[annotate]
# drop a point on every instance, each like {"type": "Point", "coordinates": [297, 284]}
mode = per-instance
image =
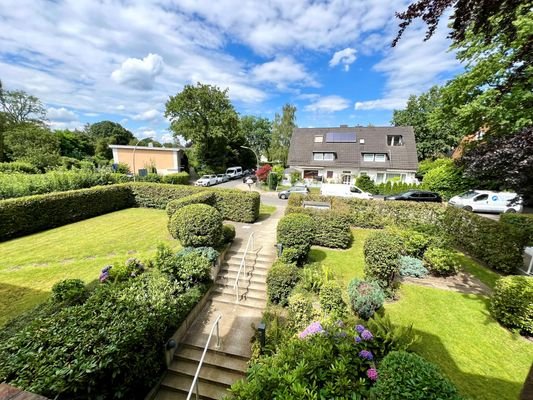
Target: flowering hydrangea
{"type": "Point", "coordinates": [372, 374]}
{"type": "Point", "coordinates": [365, 354]}
{"type": "Point", "coordinates": [312, 329]}
{"type": "Point", "coordinates": [105, 273]}
{"type": "Point", "coordinates": [367, 335]}
{"type": "Point", "coordinates": [358, 339]}
{"type": "Point", "coordinates": [359, 328]}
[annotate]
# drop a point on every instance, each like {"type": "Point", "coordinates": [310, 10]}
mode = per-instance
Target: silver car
{"type": "Point", "coordinates": [295, 189]}
{"type": "Point", "coordinates": [207, 180]}
{"type": "Point", "coordinates": [221, 178]}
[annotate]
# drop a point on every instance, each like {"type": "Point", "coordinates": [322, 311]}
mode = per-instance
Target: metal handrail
{"type": "Point", "coordinates": [243, 265]}
{"type": "Point", "coordinates": [194, 384]}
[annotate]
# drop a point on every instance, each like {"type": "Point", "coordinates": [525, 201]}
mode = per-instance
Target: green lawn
{"type": "Point", "coordinates": [265, 211]}
{"type": "Point", "coordinates": [29, 266]}
{"type": "Point", "coordinates": [457, 332]}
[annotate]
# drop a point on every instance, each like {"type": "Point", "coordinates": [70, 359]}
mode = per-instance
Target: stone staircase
{"type": "Point", "coordinates": [227, 364]}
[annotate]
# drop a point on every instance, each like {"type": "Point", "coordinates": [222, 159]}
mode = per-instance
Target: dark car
{"type": "Point", "coordinates": [246, 178]}
{"type": "Point", "coordinates": [295, 189]}
{"type": "Point", "coordinates": [416, 195]}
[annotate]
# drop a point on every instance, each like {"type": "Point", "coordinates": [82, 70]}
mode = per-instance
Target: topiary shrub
{"type": "Point", "coordinates": [18, 166]}
{"type": "Point", "coordinates": [296, 231]}
{"type": "Point", "coordinates": [364, 182]}
{"type": "Point", "coordinates": [382, 251]}
{"type": "Point", "coordinates": [281, 279]}
{"type": "Point", "coordinates": [441, 262]}
{"type": "Point", "coordinates": [414, 243]}
{"type": "Point", "coordinates": [193, 268]}
{"type": "Point", "coordinates": [405, 375]}
{"type": "Point", "coordinates": [294, 255]}
{"type": "Point", "coordinates": [181, 178]}
{"type": "Point", "coordinates": [331, 299]}
{"type": "Point", "coordinates": [300, 311]}
{"type": "Point", "coordinates": [197, 198]}
{"type": "Point", "coordinates": [69, 291]}
{"type": "Point", "coordinates": [366, 297]}
{"type": "Point", "coordinates": [410, 266]}
{"type": "Point", "coordinates": [512, 303]}
{"type": "Point", "coordinates": [228, 233]}
{"type": "Point", "coordinates": [197, 225]}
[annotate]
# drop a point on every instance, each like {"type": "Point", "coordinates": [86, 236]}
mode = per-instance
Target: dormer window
{"type": "Point", "coordinates": [323, 156]}
{"type": "Point", "coordinates": [394, 140]}
{"type": "Point", "coordinates": [319, 138]}
{"type": "Point", "coordinates": [374, 157]}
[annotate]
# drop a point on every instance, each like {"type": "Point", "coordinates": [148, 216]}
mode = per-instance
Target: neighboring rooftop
{"type": "Point", "coordinates": [121, 146]}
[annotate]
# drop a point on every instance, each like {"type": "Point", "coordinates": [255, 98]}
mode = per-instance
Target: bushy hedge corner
{"type": "Point", "coordinates": [228, 233]}
{"type": "Point", "coordinates": [69, 291]}
{"type": "Point", "coordinates": [281, 279]}
{"type": "Point", "coordinates": [237, 205]}
{"type": "Point", "coordinates": [197, 225]}
{"type": "Point", "coordinates": [180, 178]}
{"type": "Point", "coordinates": [512, 303]}
{"type": "Point", "coordinates": [296, 231]}
{"type": "Point", "coordinates": [382, 251]}
{"type": "Point", "coordinates": [197, 198]}
{"type": "Point", "coordinates": [523, 223]}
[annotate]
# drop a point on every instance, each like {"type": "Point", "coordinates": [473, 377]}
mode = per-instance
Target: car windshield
{"type": "Point", "coordinates": [205, 177]}
{"type": "Point", "coordinates": [468, 195]}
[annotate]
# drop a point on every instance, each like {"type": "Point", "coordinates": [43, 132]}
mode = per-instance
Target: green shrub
{"type": "Point", "coordinates": [208, 252]}
{"type": "Point", "coordinates": [181, 178]}
{"type": "Point", "coordinates": [296, 231]}
{"type": "Point", "coordinates": [364, 182]}
{"type": "Point", "coordinates": [196, 198]}
{"type": "Point", "coordinates": [165, 260]}
{"type": "Point", "coordinates": [236, 205]}
{"type": "Point", "coordinates": [331, 300]}
{"type": "Point", "coordinates": [410, 266]}
{"type": "Point", "coordinates": [26, 215]}
{"type": "Point", "coordinates": [414, 243]}
{"type": "Point", "coordinates": [382, 251]}
{"type": "Point", "coordinates": [228, 233]}
{"type": "Point", "coordinates": [295, 255]}
{"type": "Point", "coordinates": [523, 224]}
{"type": "Point", "coordinates": [512, 303]}
{"type": "Point", "coordinates": [445, 179]}
{"type": "Point", "coordinates": [69, 291]}
{"type": "Point", "coordinates": [389, 337]}
{"type": "Point", "coordinates": [366, 297]}
{"type": "Point", "coordinates": [499, 245]}
{"type": "Point", "coordinates": [281, 279]}
{"type": "Point", "coordinates": [193, 268]}
{"type": "Point", "coordinates": [197, 225]}
{"type": "Point", "coordinates": [153, 195]}
{"type": "Point", "coordinates": [18, 166]}
{"type": "Point", "coordinates": [112, 344]}
{"type": "Point", "coordinates": [300, 311]}
{"type": "Point", "coordinates": [441, 261]}
{"type": "Point", "coordinates": [391, 188]}
{"type": "Point", "coordinates": [315, 275]}
{"type": "Point", "coordinates": [120, 273]}
{"type": "Point", "coordinates": [408, 376]}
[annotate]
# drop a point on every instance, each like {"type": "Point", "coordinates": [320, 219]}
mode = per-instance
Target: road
{"type": "Point", "coordinates": [270, 198]}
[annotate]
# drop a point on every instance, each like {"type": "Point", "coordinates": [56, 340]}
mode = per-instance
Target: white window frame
{"type": "Point", "coordinates": [318, 156]}
{"type": "Point", "coordinates": [396, 140]}
{"type": "Point", "coordinates": [368, 155]}
{"type": "Point", "coordinates": [380, 155]}
{"type": "Point", "coordinates": [329, 157]}
{"type": "Point", "coordinates": [319, 138]}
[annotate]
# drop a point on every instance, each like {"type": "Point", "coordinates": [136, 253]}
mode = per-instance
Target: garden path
{"type": "Point", "coordinates": [463, 282]}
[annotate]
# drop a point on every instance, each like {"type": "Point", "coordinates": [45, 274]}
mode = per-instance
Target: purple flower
{"type": "Point", "coordinates": [372, 374]}
{"type": "Point", "coordinates": [359, 328]}
{"type": "Point", "coordinates": [106, 268]}
{"type": "Point", "coordinates": [103, 276]}
{"type": "Point", "coordinates": [367, 335]}
{"type": "Point", "coordinates": [365, 354]}
{"type": "Point", "coordinates": [312, 329]}
{"type": "Point", "coordinates": [357, 339]}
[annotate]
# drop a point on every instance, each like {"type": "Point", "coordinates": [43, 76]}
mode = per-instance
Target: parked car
{"type": "Point", "coordinates": [247, 177]}
{"type": "Point", "coordinates": [488, 201]}
{"type": "Point", "coordinates": [207, 180]}
{"type": "Point", "coordinates": [416, 195]}
{"type": "Point", "coordinates": [234, 172]}
{"type": "Point", "coordinates": [295, 189]}
{"type": "Point", "coordinates": [247, 172]}
{"type": "Point", "coordinates": [221, 178]}
{"type": "Point", "coordinates": [341, 190]}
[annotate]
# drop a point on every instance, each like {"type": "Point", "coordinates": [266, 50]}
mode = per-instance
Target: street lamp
{"type": "Point", "coordinates": [135, 148]}
{"type": "Point", "coordinates": [255, 154]}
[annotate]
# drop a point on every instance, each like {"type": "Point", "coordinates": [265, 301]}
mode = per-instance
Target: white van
{"type": "Point", "coordinates": [234, 172]}
{"type": "Point", "coordinates": [487, 201]}
{"type": "Point", "coordinates": [342, 190]}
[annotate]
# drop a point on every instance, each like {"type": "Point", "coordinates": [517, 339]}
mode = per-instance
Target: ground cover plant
{"type": "Point", "coordinates": [30, 265]}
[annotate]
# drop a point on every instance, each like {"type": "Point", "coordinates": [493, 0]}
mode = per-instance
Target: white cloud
{"type": "Point", "coordinates": [381, 104]}
{"type": "Point", "coordinates": [345, 57]}
{"type": "Point", "coordinates": [147, 115]}
{"type": "Point", "coordinates": [328, 104]}
{"type": "Point", "coordinates": [61, 114]}
{"type": "Point", "coordinates": [283, 71]}
{"type": "Point", "coordinates": [139, 74]}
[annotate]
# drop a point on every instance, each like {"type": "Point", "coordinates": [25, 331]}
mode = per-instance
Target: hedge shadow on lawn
{"type": "Point", "coordinates": [25, 298]}
{"type": "Point", "coordinates": [317, 255]}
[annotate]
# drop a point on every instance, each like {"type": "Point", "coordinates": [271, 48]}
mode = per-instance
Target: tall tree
{"type": "Point", "coordinates": [19, 107]}
{"type": "Point", "coordinates": [432, 139]}
{"type": "Point", "coordinates": [282, 128]}
{"type": "Point", "coordinates": [107, 132]}
{"type": "Point", "coordinates": [75, 144]}
{"type": "Point", "coordinates": [34, 144]}
{"type": "Point", "coordinates": [257, 133]}
{"type": "Point", "coordinates": [205, 115]}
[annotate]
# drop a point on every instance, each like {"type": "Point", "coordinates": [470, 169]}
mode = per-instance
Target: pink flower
{"type": "Point", "coordinates": [372, 374]}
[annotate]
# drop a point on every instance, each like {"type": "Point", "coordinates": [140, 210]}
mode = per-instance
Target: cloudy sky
{"type": "Point", "coordinates": [90, 60]}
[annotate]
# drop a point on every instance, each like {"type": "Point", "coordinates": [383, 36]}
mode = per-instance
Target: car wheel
{"type": "Point", "coordinates": [468, 208]}
{"type": "Point", "coordinates": [283, 197]}
{"type": "Point", "coordinates": [510, 211]}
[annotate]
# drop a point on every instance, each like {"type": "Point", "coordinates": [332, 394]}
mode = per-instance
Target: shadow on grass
{"type": "Point", "coordinates": [317, 255]}
{"type": "Point", "coordinates": [18, 299]}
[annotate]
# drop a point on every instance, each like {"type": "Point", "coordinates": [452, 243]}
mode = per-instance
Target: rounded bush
{"type": "Point", "coordinates": [295, 255]}
{"type": "Point", "coordinates": [512, 303]}
{"type": "Point", "coordinates": [366, 297]}
{"type": "Point", "coordinates": [197, 225]}
{"type": "Point", "coordinates": [441, 261]}
{"type": "Point", "coordinates": [296, 230]}
{"type": "Point", "coordinates": [331, 299]}
{"type": "Point", "coordinates": [71, 291]}
{"type": "Point", "coordinates": [228, 233]}
{"type": "Point", "coordinates": [410, 266]}
{"type": "Point", "coordinates": [181, 178]}
{"type": "Point", "coordinates": [300, 310]}
{"type": "Point", "coordinates": [382, 251]}
{"type": "Point", "coordinates": [414, 243]}
{"type": "Point", "coordinates": [405, 375]}
{"type": "Point", "coordinates": [281, 279]}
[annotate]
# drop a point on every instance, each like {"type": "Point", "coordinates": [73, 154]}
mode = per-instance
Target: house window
{"type": "Point", "coordinates": [310, 174]}
{"type": "Point", "coordinates": [329, 157]}
{"type": "Point", "coordinates": [393, 177]}
{"type": "Point", "coordinates": [319, 138]}
{"type": "Point", "coordinates": [318, 156]}
{"type": "Point", "coordinates": [395, 140]}
{"type": "Point", "coordinates": [368, 157]}
{"type": "Point", "coordinates": [329, 174]}
{"type": "Point", "coordinates": [380, 177]}
{"type": "Point", "coordinates": [346, 179]}
{"type": "Point", "coordinates": [363, 173]}
{"type": "Point", "coordinates": [380, 157]}
{"type": "Point", "coordinates": [323, 156]}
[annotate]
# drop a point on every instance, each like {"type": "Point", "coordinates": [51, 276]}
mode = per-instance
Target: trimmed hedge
{"type": "Point", "coordinates": [180, 178]}
{"type": "Point", "coordinates": [296, 233]}
{"type": "Point", "coordinates": [499, 245]}
{"type": "Point", "coordinates": [382, 252]}
{"type": "Point", "coordinates": [281, 279]}
{"type": "Point", "coordinates": [18, 166]}
{"type": "Point", "coordinates": [197, 225]}
{"type": "Point", "coordinates": [441, 262]}
{"type": "Point", "coordinates": [154, 195]}
{"type": "Point", "coordinates": [512, 303]}
{"type": "Point", "coordinates": [522, 222]}
{"type": "Point", "coordinates": [25, 215]}
{"type": "Point", "coordinates": [197, 198]}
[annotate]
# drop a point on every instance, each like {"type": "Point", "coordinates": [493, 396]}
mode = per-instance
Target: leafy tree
{"type": "Point", "coordinates": [445, 178]}
{"type": "Point", "coordinates": [282, 132]}
{"type": "Point", "coordinates": [106, 133]}
{"type": "Point", "coordinates": [146, 142]}
{"type": "Point", "coordinates": [432, 139]}
{"type": "Point", "coordinates": [19, 107]}
{"type": "Point", "coordinates": [503, 162]}
{"type": "Point", "coordinates": [34, 144]}
{"type": "Point", "coordinates": [257, 133]}
{"type": "Point", "coordinates": [75, 144]}
{"type": "Point", "coordinates": [204, 115]}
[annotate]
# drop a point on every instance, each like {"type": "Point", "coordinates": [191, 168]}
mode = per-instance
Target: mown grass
{"type": "Point", "coordinates": [265, 211]}
{"type": "Point", "coordinates": [30, 266]}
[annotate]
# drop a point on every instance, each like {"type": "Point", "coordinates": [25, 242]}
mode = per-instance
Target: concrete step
{"type": "Point", "coordinates": [169, 394]}
{"type": "Point", "coordinates": [244, 284]}
{"type": "Point", "coordinates": [229, 277]}
{"type": "Point", "coordinates": [255, 304]}
{"type": "Point", "coordinates": [259, 271]}
{"type": "Point", "coordinates": [243, 292]}
{"type": "Point", "coordinates": [223, 360]}
{"type": "Point", "coordinates": [208, 373]}
{"type": "Point", "coordinates": [249, 263]}
{"type": "Point", "coordinates": [260, 256]}
{"type": "Point", "coordinates": [182, 384]}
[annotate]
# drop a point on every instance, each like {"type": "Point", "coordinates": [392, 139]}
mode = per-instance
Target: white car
{"type": "Point", "coordinates": [487, 201]}
{"type": "Point", "coordinates": [342, 190]}
{"type": "Point", "coordinates": [221, 178]}
{"type": "Point", "coordinates": [207, 180]}
{"type": "Point", "coordinates": [234, 172]}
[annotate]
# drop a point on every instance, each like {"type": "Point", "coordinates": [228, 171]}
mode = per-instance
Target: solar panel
{"type": "Point", "coordinates": [341, 137]}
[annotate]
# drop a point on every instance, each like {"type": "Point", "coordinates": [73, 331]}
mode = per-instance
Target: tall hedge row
{"type": "Point", "coordinates": [523, 222]}
{"type": "Point", "coordinates": [197, 198]}
{"type": "Point", "coordinates": [25, 215]}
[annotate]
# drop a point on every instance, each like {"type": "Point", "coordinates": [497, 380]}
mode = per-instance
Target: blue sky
{"type": "Point", "coordinates": [91, 60]}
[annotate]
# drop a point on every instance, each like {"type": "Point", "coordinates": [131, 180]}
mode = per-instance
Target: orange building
{"type": "Point", "coordinates": [165, 160]}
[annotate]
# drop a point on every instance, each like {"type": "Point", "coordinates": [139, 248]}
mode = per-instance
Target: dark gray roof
{"type": "Point", "coordinates": [350, 154]}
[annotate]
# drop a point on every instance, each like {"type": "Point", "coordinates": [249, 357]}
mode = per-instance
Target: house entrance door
{"type": "Point", "coordinates": [347, 179]}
